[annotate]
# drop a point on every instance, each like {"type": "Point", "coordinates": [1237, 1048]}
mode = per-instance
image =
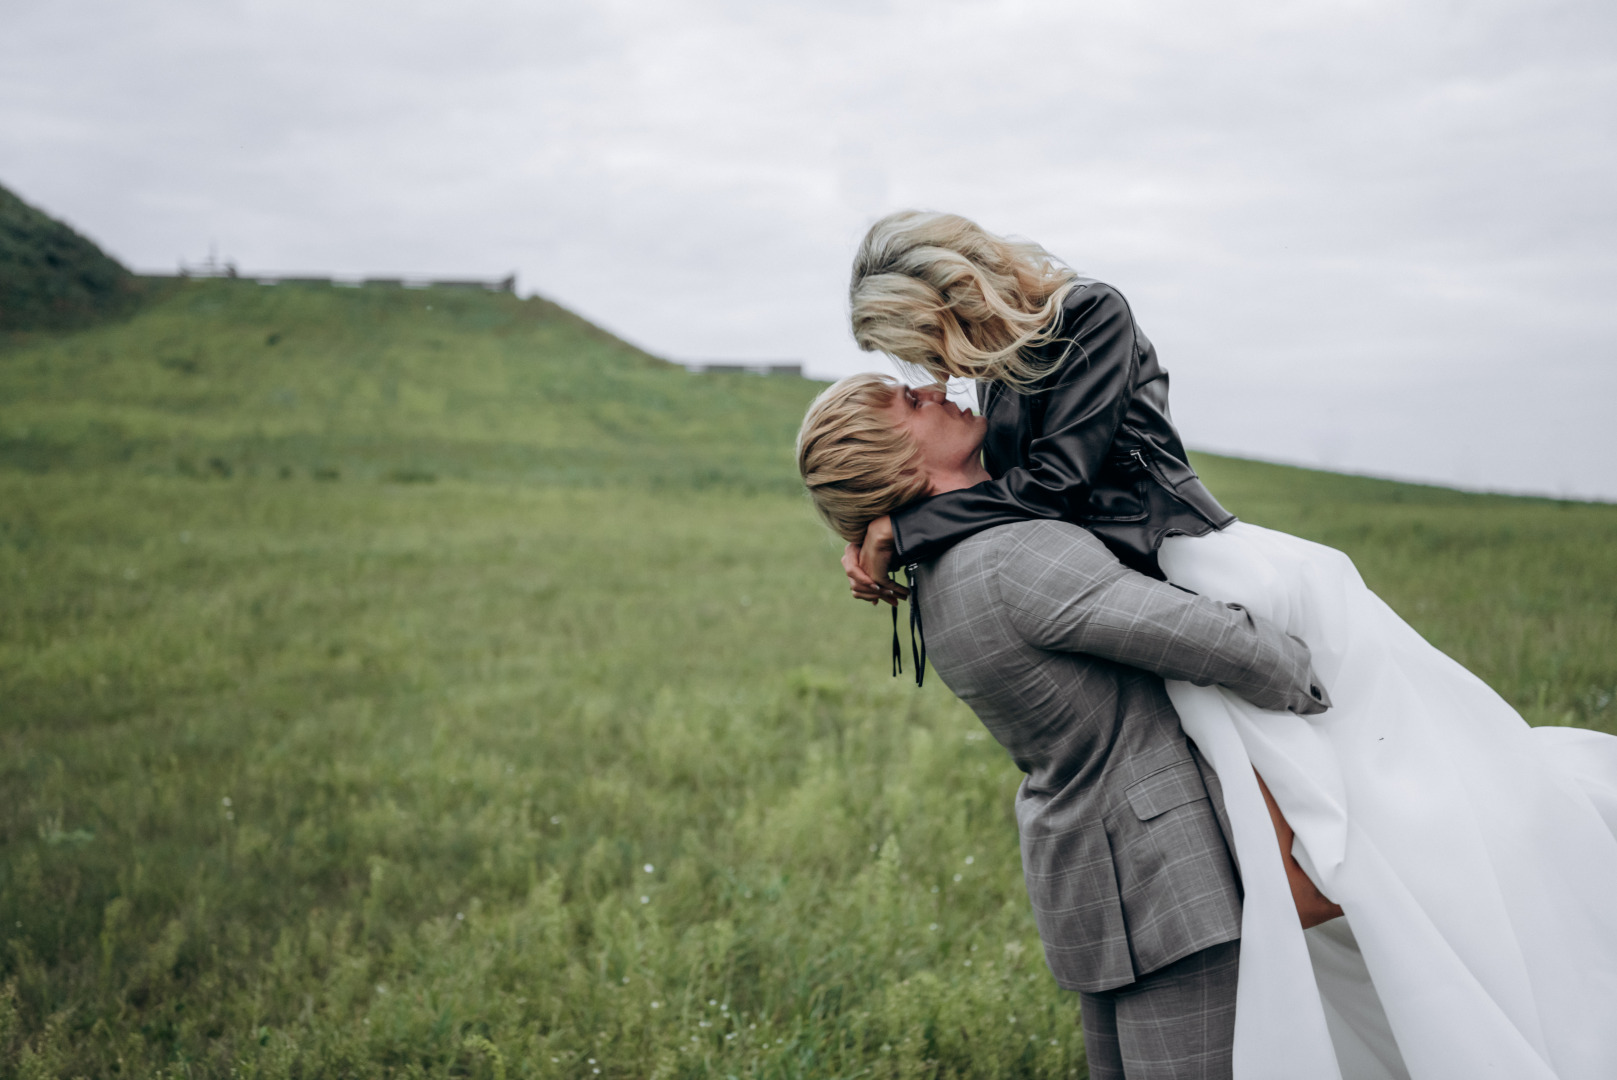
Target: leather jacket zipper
{"type": "Point", "coordinates": [1145, 466]}
{"type": "Point", "coordinates": [1152, 471]}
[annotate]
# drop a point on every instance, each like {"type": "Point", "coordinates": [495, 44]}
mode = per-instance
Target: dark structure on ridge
{"type": "Point", "coordinates": [51, 278]}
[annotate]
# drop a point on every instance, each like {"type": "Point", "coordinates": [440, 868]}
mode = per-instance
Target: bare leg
{"type": "Point", "coordinates": [1312, 906]}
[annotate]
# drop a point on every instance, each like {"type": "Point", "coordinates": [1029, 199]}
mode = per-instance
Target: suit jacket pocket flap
{"type": "Point", "coordinates": [1073, 886]}
{"type": "Point", "coordinates": [1165, 789]}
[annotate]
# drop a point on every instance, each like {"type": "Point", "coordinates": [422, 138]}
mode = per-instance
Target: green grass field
{"type": "Point", "coordinates": [424, 683]}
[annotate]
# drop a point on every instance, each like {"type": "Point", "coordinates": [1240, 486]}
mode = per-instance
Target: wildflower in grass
{"type": "Point", "coordinates": [970, 859]}
{"type": "Point", "coordinates": [650, 868]}
{"type": "Point", "coordinates": [645, 899]}
{"type": "Point", "coordinates": [957, 877]}
{"type": "Point", "coordinates": [932, 926]}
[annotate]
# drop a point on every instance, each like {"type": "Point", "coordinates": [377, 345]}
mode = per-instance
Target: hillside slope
{"type": "Point", "coordinates": [228, 380]}
{"type": "Point", "coordinates": [230, 377]}
{"type": "Point", "coordinates": [50, 276]}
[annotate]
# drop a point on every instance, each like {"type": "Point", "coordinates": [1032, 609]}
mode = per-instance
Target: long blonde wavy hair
{"type": "Point", "coordinates": [940, 293]}
{"type": "Point", "coordinates": [855, 464]}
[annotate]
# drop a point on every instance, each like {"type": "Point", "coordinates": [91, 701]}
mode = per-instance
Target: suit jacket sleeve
{"type": "Point", "coordinates": [1082, 412]}
{"type": "Point", "coordinates": [1066, 592]}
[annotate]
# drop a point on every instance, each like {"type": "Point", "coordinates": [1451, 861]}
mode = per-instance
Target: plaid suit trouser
{"type": "Point", "coordinates": [1177, 1023]}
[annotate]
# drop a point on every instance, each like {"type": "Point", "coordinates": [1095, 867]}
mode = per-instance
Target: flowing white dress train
{"type": "Point", "coordinates": [1475, 857]}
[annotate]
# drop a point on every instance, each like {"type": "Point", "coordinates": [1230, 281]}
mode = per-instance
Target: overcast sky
{"type": "Point", "coordinates": [1373, 235]}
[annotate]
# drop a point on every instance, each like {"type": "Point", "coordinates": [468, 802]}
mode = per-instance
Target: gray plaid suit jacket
{"type": "Point", "coordinates": [1061, 652]}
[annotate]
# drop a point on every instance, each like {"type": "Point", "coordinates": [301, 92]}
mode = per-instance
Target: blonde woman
{"type": "Point", "coordinates": [1474, 858]}
{"type": "Point", "coordinates": [1075, 401]}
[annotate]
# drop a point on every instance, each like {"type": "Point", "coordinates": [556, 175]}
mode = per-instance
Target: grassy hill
{"type": "Point", "coordinates": [425, 683]}
{"type": "Point", "coordinates": [51, 277]}
{"type": "Point", "coordinates": [229, 377]}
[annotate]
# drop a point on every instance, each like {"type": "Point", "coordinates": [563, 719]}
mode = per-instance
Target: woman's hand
{"type": "Point", "coordinates": [867, 565]}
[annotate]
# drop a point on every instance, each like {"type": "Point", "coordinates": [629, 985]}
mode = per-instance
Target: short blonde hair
{"type": "Point", "coordinates": [856, 465]}
{"type": "Point", "coordinates": [940, 293]}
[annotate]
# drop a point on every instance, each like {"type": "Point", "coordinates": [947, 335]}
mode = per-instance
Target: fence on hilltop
{"type": "Point", "coordinates": [749, 367]}
{"type": "Point", "coordinates": [212, 268]}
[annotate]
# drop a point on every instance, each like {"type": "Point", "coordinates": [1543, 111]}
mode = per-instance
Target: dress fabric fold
{"type": "Point", "coordinates": [1475, 858]}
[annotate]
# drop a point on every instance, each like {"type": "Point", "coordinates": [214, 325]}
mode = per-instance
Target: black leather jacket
{"type": "Point", "coordinates": [1092, 444]}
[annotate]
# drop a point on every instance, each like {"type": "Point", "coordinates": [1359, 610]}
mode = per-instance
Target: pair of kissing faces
{"type": "Point", "coordinates": [947, 436]}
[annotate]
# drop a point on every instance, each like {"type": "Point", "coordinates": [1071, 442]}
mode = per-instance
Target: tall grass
{"type": "Point", "coordinates": [515, 722]}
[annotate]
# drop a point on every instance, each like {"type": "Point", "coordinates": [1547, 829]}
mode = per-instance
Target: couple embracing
{"type": "Point", "coordinates": [1267, 830]}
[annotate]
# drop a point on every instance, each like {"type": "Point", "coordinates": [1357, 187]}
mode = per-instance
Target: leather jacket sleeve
{"type": "Point", "coordinates": [1084, 401]}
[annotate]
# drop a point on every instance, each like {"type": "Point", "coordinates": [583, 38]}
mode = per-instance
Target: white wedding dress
{"type": "Point", "coordinates": [1475, 857]}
